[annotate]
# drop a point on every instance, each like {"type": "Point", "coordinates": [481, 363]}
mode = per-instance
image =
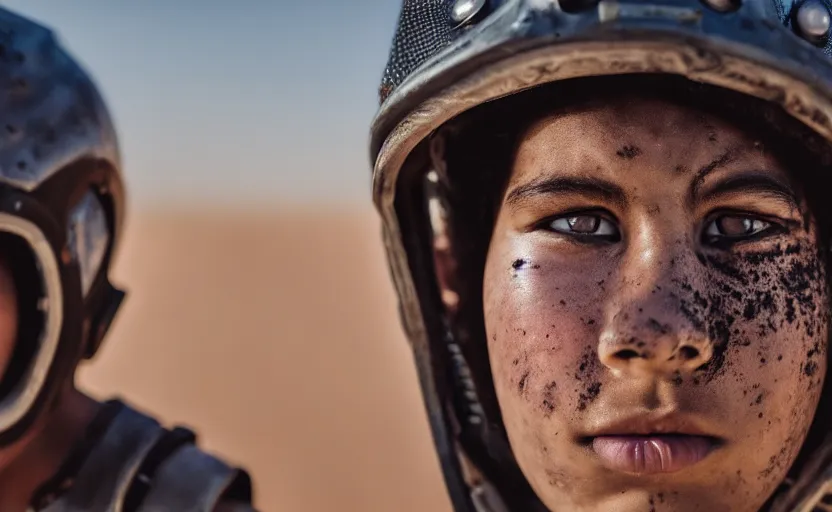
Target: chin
{"type": "Point", "coordinates": [653, 498]}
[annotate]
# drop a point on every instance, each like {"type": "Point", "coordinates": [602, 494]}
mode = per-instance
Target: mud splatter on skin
{"type": "Point", "coordinates": [521, 372]}
{"type": "Point", "coordinates": [589, 395]}
{"type": "Point", "coordinates": [520, 263]}
{"type": "Point", "coordinates": [628, 152]}
{"type": "Point", "coordinates": [776, 462]}
{"type": "Point", "coordinates": [587, 374]}
{"type": "Point", "coordinates": [549, 398]}
{"type": "Point", "coordinates": [765, 289]}
{"type": "Point", "coordinates": [521, 386]}
{"type": "Point", "coordinates": [677, 379]}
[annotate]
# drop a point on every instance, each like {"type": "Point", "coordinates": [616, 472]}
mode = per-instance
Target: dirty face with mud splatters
{"type": "Point", "coordinates": [656, 310]}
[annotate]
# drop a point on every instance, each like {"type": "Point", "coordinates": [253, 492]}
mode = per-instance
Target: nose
{"type": "Point", "coordinates": [640, 344]}
{"type": "Point", "coordinates": [646, 330]}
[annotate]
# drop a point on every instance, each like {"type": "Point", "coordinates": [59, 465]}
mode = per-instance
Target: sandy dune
{"type": "Point", "coordinates": [276, 336]}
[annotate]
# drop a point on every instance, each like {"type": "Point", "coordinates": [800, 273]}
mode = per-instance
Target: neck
{"type": "Point", "coordinates": [38, 457]}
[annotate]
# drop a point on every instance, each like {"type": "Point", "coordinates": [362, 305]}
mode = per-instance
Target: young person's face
{"type": "Point", "coordinates": [656, 311]}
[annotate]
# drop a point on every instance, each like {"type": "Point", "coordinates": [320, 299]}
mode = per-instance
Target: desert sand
{"type": "Point", "coordinates": [275, 335]}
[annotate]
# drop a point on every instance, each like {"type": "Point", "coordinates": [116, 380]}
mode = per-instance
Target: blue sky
{"type": "Point", "coordinates": [250, 102]}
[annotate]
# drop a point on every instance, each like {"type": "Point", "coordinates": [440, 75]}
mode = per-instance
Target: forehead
{"type": "Point", "coordinates": [627, 130]}
{"type": "Point", "coordinates": [632, 116]}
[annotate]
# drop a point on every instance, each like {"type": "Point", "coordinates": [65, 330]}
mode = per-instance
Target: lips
{"type": "Point", "coordinates": [643, 445]}
{"type": "Point", "coordinates": [651, 454]}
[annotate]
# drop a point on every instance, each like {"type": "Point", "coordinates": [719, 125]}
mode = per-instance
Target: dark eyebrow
{"type": "Point", "coordinates": [715, 164]}
{"type": "Point", "coordinates": [757, 181]}
{"type": "Point", "coordinates": [588, 186]}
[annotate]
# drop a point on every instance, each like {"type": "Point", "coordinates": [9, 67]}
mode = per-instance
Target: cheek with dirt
{"type": "Point", "coordinates": [766, 307]}
{"type": "Point", "coordinates": [766, 301]}
{"type": "Point", "coordinates": [766, 313]}
{"type": "Point", "coordinates": [549, 347]}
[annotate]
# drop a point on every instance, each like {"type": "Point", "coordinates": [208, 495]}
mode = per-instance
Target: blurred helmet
{"type": "Point", "coordinates": [450, 57]}
{"type": "Point", "coordinates": [61, 212]}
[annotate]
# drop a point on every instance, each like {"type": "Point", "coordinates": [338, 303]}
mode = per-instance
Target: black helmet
{"type": "Point", "coordinates": [61, 211]}
{"type": "Point", "coordinates": [450, 57]}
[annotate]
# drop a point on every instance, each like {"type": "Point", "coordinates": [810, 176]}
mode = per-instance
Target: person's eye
{"type": "Point", "coordinates": [736, 228]}
{"type": "Point", "coordinates": [585, 225]}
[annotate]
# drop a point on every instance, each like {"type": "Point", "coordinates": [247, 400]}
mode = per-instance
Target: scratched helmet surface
{"type": "Point", "coordinates": [450, 57]}
{"type": "Point", "coordinates": [61, 209]}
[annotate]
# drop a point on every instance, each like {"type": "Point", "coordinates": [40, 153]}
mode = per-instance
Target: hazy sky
{"type": "Point", "coordinates": [244, 101]}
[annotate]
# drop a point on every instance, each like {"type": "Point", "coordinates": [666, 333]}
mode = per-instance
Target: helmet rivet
{"type": "Point", "coordinates": [813, 20]}
{"type": "Point", "coordinates": [723, 5]}
{"type": "Point", "coordinates": [464, 10]}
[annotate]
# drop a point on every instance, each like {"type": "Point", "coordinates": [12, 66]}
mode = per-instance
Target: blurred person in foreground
{"type": "Point", "coordinates": [609, 227]}
{"type": "Point", "coordinates": [61, 213]}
